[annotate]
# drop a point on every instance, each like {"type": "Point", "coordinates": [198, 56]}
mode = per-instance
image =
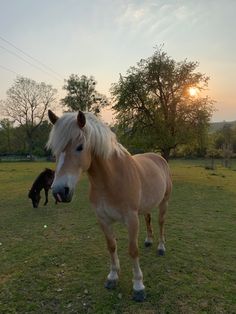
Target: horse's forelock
{"type": "Point", "coordinates": [97, 136]}
{"type": "Point", "coordinates": [64, 131]}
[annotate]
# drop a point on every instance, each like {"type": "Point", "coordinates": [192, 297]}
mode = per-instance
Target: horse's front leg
{"type": "Point", "coordinates": [133, 228]}
{"type": "Point", "coordinates": [46, 196]}
{"type": "Point", "coordinates": [113, 275]}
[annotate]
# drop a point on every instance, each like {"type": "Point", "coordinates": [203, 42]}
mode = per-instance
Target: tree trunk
{"type": "Point", "coordinates": [8, 141]}
{"type": "Point", "coordinates": [30, 145]}
{"type": "Point", "coordinates": [165, 153]}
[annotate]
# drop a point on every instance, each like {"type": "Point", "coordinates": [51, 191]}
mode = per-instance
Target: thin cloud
{"type": "Point", "coordinates": [151, 18]}
{"type": "Point", "coordinates": [131, 14]}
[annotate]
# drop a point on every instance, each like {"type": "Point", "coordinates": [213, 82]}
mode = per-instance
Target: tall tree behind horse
{"type": "Point", "coordinates": [43, 181]}
{"type": "Point", "coordinates": [121, 186]}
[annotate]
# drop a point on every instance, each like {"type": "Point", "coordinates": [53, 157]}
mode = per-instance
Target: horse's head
{"type": "Point", "coordinates": [72, 158]}
{"type": "Point", "coordinates": [35, 197]}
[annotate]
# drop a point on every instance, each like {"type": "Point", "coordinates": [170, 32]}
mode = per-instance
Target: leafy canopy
{"type": "Point", "coordinates": [153, 103]}
{"type": "Point", "coordinates": [82, 94]}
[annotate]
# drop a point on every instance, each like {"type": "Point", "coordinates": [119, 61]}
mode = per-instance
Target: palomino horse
{"type": "Point", "coordinates": [122, 186]}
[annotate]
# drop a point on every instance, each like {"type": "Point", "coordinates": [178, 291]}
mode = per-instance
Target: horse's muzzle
{"type": "Point", "coordinates": [64, 195]}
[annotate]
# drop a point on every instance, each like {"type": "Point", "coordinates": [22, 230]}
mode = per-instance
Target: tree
{"type": "Point", "coordinates": [41, 137]}
{"type": "Point", "coordinates": [212, 153]}
{"type": "Point", "coordinates": [26, 105]}
{"type": "Point", "coordinates": [82, 94]}
{"type": "Point", "coordinates": [7, 133]}
{"type": "Point", "coordinates": [224, 140]}
{"type": "Point", "coordinates": [153, 102]}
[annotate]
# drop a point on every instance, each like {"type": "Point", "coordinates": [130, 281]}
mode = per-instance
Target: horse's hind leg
{"type": "Point", "coordinates": [112, 277]}
{"type": "Point", "coordinates": [162, 213]}
{"type": "Point", "coordinates": [149, 239]}
{"type": "Point", "coordinates": [46, 197]}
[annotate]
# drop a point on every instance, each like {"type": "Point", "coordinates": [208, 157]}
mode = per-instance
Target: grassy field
{"type": "Point", "coordinates": [54, 259]}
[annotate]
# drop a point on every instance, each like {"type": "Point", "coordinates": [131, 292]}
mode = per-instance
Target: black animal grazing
{"type": "Point", "coordinates": [43, 181]}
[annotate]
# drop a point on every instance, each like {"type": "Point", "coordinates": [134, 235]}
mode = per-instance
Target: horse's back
{"type": "Point", "coordinates": [151, 162]}
{"type": "Point", "coordinates": [155, 178]}
{"type": "Point", "coordinates": [44, 180]}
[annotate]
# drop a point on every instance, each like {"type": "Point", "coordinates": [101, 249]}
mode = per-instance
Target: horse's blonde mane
{"type": "Point", "coordinates": [97, 135]}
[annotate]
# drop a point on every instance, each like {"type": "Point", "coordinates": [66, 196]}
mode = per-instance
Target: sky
{"type": "Point", "coordinates": [104, 38]}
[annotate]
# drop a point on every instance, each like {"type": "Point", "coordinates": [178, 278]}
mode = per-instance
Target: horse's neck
{"type": "Point", "coordinates": [113, 180]}
{"type": "Point", "coordinates": [37, 186]}
{"type": "Point", "coordinates": [102, 171]}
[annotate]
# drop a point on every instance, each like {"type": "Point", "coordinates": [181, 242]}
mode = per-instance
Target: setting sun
{"type": "Point", "coordinates": [193, 91]}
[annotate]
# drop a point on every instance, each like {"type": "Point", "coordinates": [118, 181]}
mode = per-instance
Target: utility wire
{"type": "Point", "coordinates": [6, 69]}
{"type": "Point", "coordinates": [29, 56]}
{"type": "Point", "coordinates": [19, 57]}
{"type": "Point", "coordinates": [15, 73]}
{"type": "Point", "coordinates": [31, 64]}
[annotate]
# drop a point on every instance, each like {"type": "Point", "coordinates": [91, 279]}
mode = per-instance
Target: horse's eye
{"type": "Point", "coordinates": [79, 148]}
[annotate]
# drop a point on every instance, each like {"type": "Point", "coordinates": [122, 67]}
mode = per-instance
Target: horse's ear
{"type": "Point", "coordinates": [81, 119]}
{"type": "Point", "coordinates": [52, 117]}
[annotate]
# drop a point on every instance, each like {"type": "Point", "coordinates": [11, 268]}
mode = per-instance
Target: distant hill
{"type": "Point", "coordinates": [215, 126]}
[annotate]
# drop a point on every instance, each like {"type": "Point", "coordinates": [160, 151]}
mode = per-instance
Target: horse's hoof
{"type": "Point", "coordinates": [139, 296]}
{"type": "Point", "coordinates": [147, 244]}
{"type": "Point", "coordinates": [161, 252]}
{"type": "Point", "coordinates": [110, 284]}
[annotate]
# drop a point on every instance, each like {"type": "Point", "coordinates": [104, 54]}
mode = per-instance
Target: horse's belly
{"type": "Point", "coordinates": [151, 198]}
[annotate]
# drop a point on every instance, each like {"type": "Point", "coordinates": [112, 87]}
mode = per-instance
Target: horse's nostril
{"type": "Point", "coordinates": [66, 191]}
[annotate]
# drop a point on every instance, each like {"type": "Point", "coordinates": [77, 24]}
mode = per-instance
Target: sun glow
{"type": "Point", "coordinates": [193, 91]}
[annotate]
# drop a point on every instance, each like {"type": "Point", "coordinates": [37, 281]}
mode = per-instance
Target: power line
{"type": "Point", "coordinates": [26, 61]}
{"type": "Point", "coordinates": [6, 69]}
{"type": "Point", "coordinates": [29, 56]}
{"type": "Point", "coordinates": [19, 57]}
{"type": "Point", "coordinates": [15, 73]}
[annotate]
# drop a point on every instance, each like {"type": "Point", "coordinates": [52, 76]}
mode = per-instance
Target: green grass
{"type": "Point", "coordinates": [62, 268]}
